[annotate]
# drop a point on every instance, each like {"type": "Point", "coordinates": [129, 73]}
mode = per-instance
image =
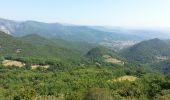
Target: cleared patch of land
{"type": "Point", "coordinates": [12, 63]}
{"type": "Point", "coordinates": [162, 58]}
{"type": "Point", "coordinates": [109, 59]}
{"type": "Point", "coordinates": [124, 78]}
{"type": "Point", "coordinates": [39, 66]}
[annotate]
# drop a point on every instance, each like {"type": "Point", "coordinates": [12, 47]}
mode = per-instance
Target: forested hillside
{"type": "Point", "coordinates": [37, 46]}
{"type": "Point", "coordinates": [36, 68]}
{"type": "Point", "coordinates": [148, 51]}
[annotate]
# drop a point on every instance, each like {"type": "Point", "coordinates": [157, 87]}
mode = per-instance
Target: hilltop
{"type": "Point", "coordinates": [103, 54]}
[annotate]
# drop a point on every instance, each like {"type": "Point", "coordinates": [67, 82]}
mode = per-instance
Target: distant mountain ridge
{"type": "Point", "coordinates": [140, 32]}
{"type": "Point", "coordinates": [63, 31]}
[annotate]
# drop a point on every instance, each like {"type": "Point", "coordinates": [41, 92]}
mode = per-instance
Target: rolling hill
{"type": "Point", "coordinates": [13, 46]}
{"type": "Point", "coordinates": [148, 51]}
{"type": "Point", "coordinates": [79, 47]}
{"type": "Point", "coordinates": [36, 46]}
{"type": "Point", "coordinates": [102, 54]}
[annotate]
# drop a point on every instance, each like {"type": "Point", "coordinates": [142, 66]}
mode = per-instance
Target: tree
{"type": "Point", "coordinates": [98, 94]}
{"type": "Point", "coordinates": [26, 93]}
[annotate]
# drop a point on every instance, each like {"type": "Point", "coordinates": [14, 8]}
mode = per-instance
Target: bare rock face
{"type": "Point", "coordinates": [4, 29]}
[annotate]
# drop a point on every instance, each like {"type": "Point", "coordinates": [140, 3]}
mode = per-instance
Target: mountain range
{"type": "Point", "coordinates": [56, 30]}
{"type": "Point", "coordinates": [93, 34]}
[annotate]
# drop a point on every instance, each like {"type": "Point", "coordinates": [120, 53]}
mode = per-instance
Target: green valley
{"type": "Point", "coordinates": [37, 68]}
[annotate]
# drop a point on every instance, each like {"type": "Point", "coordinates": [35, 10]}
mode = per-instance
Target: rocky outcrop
{"type": "Point", "coordinates": [4, 29]}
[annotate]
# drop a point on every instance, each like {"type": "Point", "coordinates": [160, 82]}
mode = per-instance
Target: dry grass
{"type": "Point", "coordinates": [109, 59]}
{"type": "Point", "coordinates": [37, 66]}
{"type": "Point", "coordinates": [113, 61]}
{"type": "Point", "coordinates": [124, 78]}
{"type": "Point", "coordinates": [12, 63]}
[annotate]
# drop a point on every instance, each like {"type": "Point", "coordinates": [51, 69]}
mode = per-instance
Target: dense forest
{"type": "Point", "coordinates": [36, 68]}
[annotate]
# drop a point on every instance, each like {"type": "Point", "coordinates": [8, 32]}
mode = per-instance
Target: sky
{"type": "Point", "coordinates": [127, 13]}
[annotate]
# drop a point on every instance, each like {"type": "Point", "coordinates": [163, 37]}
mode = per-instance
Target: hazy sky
{"type": "Point", "coordinates": [148, 13]}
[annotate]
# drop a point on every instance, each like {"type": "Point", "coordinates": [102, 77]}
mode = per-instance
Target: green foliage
{"type": "Point", "coordinates": [163, 95]}
{"type": "Point", "coordinates": [98, 94]}
{"type": "Point", "coordinates": [26, 93]}
{"type": "Point", "coordinates": [162, 66]}
{"type": "Point", "coordinates": [75, 83]}
{"type": "Point", "coordinates": [72, 76]}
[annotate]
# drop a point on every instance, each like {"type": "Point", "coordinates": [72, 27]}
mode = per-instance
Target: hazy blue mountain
{"type": "Point", "coordinates": [63, 31]}
{"type": "Point", "coordinates": [92, 34]}
{"type": "Point", "coordinates": [139, 33]}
